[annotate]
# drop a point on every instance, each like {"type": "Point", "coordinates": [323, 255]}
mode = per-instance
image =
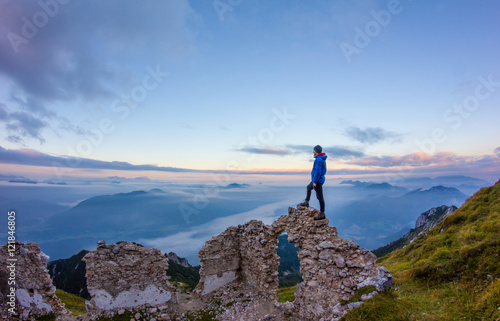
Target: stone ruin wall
{"type": "Point", "coordinates": [245, 254]}
{"type": "Point", "coordinates": [333, 268]}
{"type": "Point", "coordinates": [34, 294]}
{"type": "Point", "coordinates": [127, 276]}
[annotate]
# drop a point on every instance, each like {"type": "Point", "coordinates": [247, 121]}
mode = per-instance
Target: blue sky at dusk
{"type": "Point", "coordinates": [175, 90]}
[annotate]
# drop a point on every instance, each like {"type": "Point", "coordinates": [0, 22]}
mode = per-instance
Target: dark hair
{"type": "Point", "coordinates": [318, 149]}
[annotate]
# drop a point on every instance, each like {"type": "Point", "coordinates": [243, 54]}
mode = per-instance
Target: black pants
{"type": "Point", "coordinates": [319, 194]}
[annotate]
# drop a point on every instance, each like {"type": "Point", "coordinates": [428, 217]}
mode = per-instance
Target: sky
{"type": "Point", "coordinates": [182, 90]}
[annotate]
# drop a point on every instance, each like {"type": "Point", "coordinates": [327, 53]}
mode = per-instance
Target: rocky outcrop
{"type": "Point", "coordinates": [179, 260]}
{"type": "Point", "coordinates": [428, 220]}
{"type": "Point", "coordinates": [25, 283]}
{"type": "Point", "coordinates": [129, 276]}
{"type": "Point", "coordinates": [244, 257]}
{"type": "Point", "coordinates": [425, 222]}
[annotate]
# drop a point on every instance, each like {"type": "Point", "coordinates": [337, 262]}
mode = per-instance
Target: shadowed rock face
{"type": "Point", "coordinates": [127, 275]}
{"type": "Point", "coordinates": [34, 294]}
{"type": "Point", "coordinates": [333, 268]}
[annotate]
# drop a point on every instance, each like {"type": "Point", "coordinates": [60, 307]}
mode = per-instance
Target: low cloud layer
{"type": "Point", "coordinates": [188, 243]}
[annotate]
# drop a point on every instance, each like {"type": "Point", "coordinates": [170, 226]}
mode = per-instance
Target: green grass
{"type": "Point", "coordinates": [360, 292]}
{"type": "Point", "coordinates": [385, 306]}
{"type": "Point", "coordinates": [286, 294]}
{"type": "Point", "coordinates": [453, 274]}
{"type": "Point", "coordinates": [73, 303]}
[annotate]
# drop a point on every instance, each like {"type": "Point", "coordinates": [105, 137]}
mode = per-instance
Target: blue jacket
{"type": "Point", "coordinates": [319, 169]}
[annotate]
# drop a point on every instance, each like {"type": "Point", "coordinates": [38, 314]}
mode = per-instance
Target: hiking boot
{"type": "Point", "coordinates": [305, 203]}
{"type": "Point", "coordinates": [320, 216]}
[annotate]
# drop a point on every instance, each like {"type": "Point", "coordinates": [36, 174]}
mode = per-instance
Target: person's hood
{"type": "Point", "coordinates": [321, 155]}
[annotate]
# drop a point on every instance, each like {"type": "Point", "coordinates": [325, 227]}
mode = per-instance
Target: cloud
{"type": "Point", "coordinates": [266, 151]}
{"type": "Point", "coordinates": [32, 157]}
{"type": "Point", "coordinates": [86, 46]}
{"type": "Point", "coordinates": [333, 152]}
{"type": "Point", "coordinates": [32, 105]}
{"type": "Point", "coordinates": [443, 161]}
{"type": "Point", "coordinates": [369, 165]}
{"type": "Point", "coordinates": [35, 158]}
{"type": "Point", "coordinates": [341, 152]}
{"type": "Point", "coordinates": [497, 150]}
{"type": "Point", "coordinates": [371, 135]}
{"type": "Point", "coordinates": [4, 115]}
{"type": "Point", "coordinates": [26, 125]}
{"type": "Point", "coordinates": [15, 139]}
{"type": "Point", "coordinates": [85, 51]}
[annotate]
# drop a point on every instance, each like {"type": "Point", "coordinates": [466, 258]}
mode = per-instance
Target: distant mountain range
{"type": "Point", "coordinates": [370, 221]}
{"type": "Point", "coordinates": [425, 222]}
{"type": "Point", "coordinates": [386, 188]}
{"type": "Point", "coordinates": [136, 215]}
{"type": "Point", "coordinates": [466, 184]}
{"type": "Point", "coordinates": [236, 185]}
{"type": "Point", "coordinates": [69, 274]}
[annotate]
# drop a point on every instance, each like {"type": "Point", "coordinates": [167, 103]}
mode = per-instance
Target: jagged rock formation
{"type": "Point", "coordinates": [69, 274]}
{"type": "Point", "coordinates": [425, 222]}
{"type": "Point", "coordinates": [126, 275]}
{"type": "Point", "coordinates": [179, 260]}
{"type": "Point", "coordinates": [34, 292]}
{"type": "Point", "coordinates": [244, 257]}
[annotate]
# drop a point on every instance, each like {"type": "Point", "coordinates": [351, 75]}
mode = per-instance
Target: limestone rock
{"type": "Point", "coordinates": [245, 257]}
{"type": "Point", "coordinates": [34, 292]}
{"type": "Point", "coordinates": [126, 275]}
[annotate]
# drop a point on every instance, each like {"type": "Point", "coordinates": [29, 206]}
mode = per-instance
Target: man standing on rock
{"type": "Point", "coordinates": [317, 180]}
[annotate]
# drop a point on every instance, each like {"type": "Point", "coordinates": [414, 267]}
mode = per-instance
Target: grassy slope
{"type": "Point", "coordinates": [73, 303]}
{"type": "Point", "coordinates": [453, 274]}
